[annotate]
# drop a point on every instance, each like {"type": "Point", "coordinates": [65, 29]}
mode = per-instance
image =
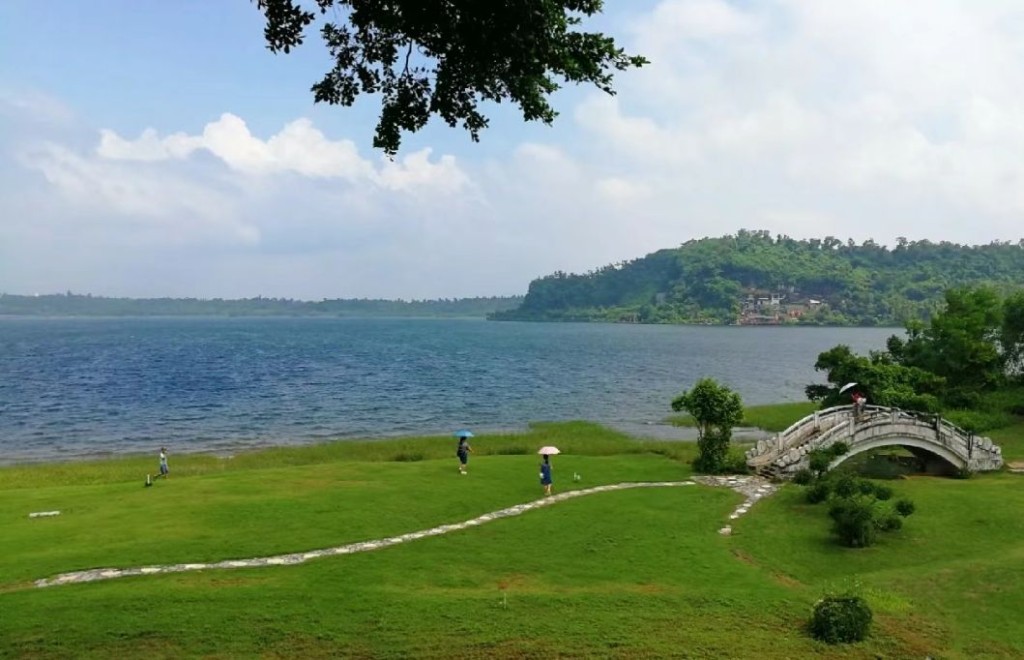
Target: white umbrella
{"type": "Point", "coordinates": [548, 451]}
{"type": "Point", "coordinates": [846, 387]}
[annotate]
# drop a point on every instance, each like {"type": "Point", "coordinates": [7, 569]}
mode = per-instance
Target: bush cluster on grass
{"type": "Point", "coordinates": [803, 477]}
{"type": "Point", "coordinates": [841, 619]}
{"type": "Point", "coordinates": [904, 507]}
{"type": "Point", "coordinates": [408, 456]}
{"type": "Point", "coordinates": [859, 508]}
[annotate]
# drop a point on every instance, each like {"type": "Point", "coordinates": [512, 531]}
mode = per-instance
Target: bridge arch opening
{"type": "Point", "coordinates": [932, 458]}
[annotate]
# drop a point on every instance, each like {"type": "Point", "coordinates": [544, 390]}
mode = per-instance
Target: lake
{"type": "Point", "coordinates": [73, 388]}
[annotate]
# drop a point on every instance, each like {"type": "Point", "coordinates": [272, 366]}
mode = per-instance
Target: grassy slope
{"type": "Point", "coordinates": [627, 574]}
{"type": "Point", "coordinates": [774, 417]}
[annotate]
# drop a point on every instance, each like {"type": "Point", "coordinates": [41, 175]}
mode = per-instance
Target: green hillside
{"type": "Point", "coordinates": [754, 278]}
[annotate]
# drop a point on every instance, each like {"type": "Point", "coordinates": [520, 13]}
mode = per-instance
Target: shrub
{"type": "Point", "coordinates": [854, 521]}
{"type": "Point", "coordinates": [408, 457]}
{"type": "Point", "coordinates": [881, 491]}
{"type": "Point", "coordinates": [890, 522]}
{"type": "Point", "coordinates": [847, 486]}
{"type": "Point", "coordinates": [838, 449]}
{"type": "Point", "coordinates": [840, 619]}
{"type": "Point", "coordinates": [865, 487]}
{"type": "Point", "coordinates": [736, 463]}
{"type": "Point", "coordinates": [819, 462]}
{"type": "Point", "coordinates": [803, 477]}
{"type": "Point", "coordinates": [818, 492]}
{"type": "Point", "coordinates": [904, 507]}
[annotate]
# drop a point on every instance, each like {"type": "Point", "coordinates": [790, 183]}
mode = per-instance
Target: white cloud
{"type": "Point", "coordinates": [864, 119]}
{"type": "Point", "coordinates": [851, 108]}
{"type": "Point", "coordinates": [298, 148]}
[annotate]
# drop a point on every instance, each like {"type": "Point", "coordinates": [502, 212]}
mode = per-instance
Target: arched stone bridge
{"type": "Point", "coordinates": [926, 436]}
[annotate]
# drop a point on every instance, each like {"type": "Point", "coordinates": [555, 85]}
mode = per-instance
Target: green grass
{"type": "Point", "coordinates": [774, 417]}
{"type": "Point", "coordinates": [953, 572]}
{"type": "Point", "coordinates": [1011, 440]}
{"type": "Point", "coordinates": [629, 574]}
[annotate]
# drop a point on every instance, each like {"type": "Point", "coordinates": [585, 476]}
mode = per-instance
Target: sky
{"type": "Point", "coordinates": [158, 149]}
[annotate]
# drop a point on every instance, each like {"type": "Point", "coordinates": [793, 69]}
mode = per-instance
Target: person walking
{"type": "Point", "coordinates": [545, 475]}
{"type": "Point", "coordinates": [463, 453]}
{"type": "Point", "coordinates": [164, 470]}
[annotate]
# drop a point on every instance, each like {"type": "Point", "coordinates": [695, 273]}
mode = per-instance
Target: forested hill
{"type": "Point", "coordinates": [754, 278]}
{"type": "Point", "coordinates": [70, 304]}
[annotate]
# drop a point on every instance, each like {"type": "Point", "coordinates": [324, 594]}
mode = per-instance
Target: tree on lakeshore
{"type": "Point", "coordinates": [885, 382]}
{"type": "Point", "coordinates": [716, 409]}
{"type": "Point", "coordinates": [445, 57]}
{"type": "Point", "coordinates": [960, 343]}
{"type": "Point", "coordinates": [972, 345]}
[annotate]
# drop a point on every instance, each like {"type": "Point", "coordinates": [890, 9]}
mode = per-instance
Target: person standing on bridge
{"type": "Point", "coordinates": [859, 401]}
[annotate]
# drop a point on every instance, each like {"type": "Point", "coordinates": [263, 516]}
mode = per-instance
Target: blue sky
{"type": "Point", "coordinates": [154, 148]}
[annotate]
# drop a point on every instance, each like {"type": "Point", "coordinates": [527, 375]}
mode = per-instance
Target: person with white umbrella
{"type": "Point", "coordinates": [545, 468]}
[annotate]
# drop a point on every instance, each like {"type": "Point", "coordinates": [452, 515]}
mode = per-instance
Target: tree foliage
{"type": "Point", "coordinates": [879, 377]}
{"type": "Point", "coordinates": [961, 343]}
{"type": "Point", "coordinates": [716, 409]}
{"type": "Point", "coordinates": [445, 57]}
{"type": "Point", "coordinates": [970, 347]}
{"type": "Point", "coordinates": [705, 281]}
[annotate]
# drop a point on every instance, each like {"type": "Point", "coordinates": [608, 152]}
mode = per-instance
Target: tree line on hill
{"type": "Point", "coordinates": [71, 304]}
{"type": "Point", "coordinates": [754, 277]}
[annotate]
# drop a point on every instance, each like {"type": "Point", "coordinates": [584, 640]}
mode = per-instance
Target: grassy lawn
{"type": "Point", "coordinates": [631, 574]}
{"type": "Point", "coordinates": [774, 417]}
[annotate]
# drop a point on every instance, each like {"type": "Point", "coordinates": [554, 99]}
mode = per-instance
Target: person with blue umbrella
{"type": "Point", "coordinates": [462, 451]}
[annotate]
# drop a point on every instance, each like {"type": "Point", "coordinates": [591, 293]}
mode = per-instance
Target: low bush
{"type": "Point", "coordinates": [847, 486]}
{"type": "Point", "coordinates": [408, 457]}
{"type": "Point", "coordinates": [818, 492]}
{"type": "Point", "coordinates": [803, 477]}
{"type": "Point", "coordinates": [854, 521]}
{"type": "Point", "coordinates": [819, 462]}
{"type": "Point", "coordinates": [736, 463]}
{"type": "Point", "coordinates": [904, 507]}
{"type": "Point", "coordinates": [881, 491]}
{"type": "Point", "coordinates": [838, 449]}
{"type": "Point", "coordinates": [889, 522]}
{"type": "Point", "coordinates": [840, 619]}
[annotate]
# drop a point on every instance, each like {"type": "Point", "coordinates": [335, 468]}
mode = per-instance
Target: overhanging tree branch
{"type": "Point", "coordinates": [475, 51]}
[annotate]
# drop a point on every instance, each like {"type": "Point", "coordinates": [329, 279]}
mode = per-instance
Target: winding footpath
{"type": "Point", "coordinates": [753, 488]}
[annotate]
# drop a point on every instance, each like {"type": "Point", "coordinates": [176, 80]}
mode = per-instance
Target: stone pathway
{"type": "Point", "coordinates": [753, 487]}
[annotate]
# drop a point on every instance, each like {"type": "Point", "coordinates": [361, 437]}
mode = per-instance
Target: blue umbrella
{"type": "Point", "coordinates": [464, 433]}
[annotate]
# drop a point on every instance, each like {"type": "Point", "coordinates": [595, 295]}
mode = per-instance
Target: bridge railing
{"type": "Point", "coordinates": [945, 432]}
{"type": "Point", "coordinates": [830, 423]}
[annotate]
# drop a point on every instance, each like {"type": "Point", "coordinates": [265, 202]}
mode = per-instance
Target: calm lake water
{"type": "Point", "coordinates": [71, 388]}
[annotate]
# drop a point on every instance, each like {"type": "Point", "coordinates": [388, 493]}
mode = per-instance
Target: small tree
{"type": "Point", "coordinates": [716, 409]}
